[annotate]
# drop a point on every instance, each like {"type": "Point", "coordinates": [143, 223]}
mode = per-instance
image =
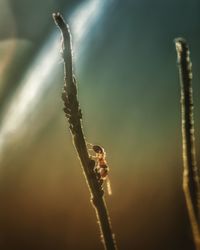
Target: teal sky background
{"type": "Point", "coordinates": [129, 94]}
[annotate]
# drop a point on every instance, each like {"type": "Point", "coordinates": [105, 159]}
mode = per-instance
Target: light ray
{"type": "Point", "coordinates": [36, 80]}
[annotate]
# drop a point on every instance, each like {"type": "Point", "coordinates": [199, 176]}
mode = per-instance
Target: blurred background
{"type": "Point", "coordinates": [125, 64]}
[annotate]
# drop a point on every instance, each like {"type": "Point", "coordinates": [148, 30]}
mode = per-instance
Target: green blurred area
{"type": "Point", "coordinates": [129, 94]}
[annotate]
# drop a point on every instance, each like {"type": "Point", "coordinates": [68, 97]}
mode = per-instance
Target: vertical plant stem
{"type": "Point", "coordinates": [191, 185]}
{"type": "Point", "coordinates": [74, 116]}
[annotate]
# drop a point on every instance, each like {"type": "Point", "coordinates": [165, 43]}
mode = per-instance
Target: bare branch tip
{"type": "Point", "coordinates": [180, 40]}
{"type": "Point", "coordinates": [59, 20]}
{"type": "Point", "coordinates": [180, 44]}
{"type": "Point", "coordinates": [56, 16]}
{"type": "Point", "coordinates": [62, 25]}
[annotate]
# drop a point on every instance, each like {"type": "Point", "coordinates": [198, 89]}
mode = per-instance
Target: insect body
{"type": "Point", "coordinates": [101, 165]}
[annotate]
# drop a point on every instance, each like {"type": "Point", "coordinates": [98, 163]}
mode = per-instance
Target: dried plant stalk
{"type": "Point", "coordinates": [191, 185]}
{"type": "Point", "coordinates": [74, 116]}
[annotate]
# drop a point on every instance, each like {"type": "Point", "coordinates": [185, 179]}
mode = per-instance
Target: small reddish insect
{"type": "Point", "coordinates": [101, 165]}
{"type": "Point", "coordinates": [100, 156]}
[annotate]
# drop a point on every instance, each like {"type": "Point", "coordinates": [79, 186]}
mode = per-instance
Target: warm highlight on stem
{"type": "Point", "coordinates": [74, 116]}
{"type": "Point", "coordinates": [191, 183]}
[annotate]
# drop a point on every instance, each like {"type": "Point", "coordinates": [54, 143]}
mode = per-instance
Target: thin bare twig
{"type": "Point", "coordinates": [191, 184]}
{"type": "Point", "coordinates": [74, 116]}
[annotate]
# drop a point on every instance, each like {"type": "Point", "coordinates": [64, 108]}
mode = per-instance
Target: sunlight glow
{"type": "Point", "coordinates": [83, 19]}
{"type": "Point", "coordinates": [37, 79]}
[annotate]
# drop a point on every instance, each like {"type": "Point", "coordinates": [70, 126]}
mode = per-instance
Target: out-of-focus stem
{"type": "Point", "coordinates": [191, 185]}
{"type": "Point", "coordinates": [74, 116]}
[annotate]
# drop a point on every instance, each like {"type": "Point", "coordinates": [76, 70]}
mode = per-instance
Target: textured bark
{"type": "Point", "coordinates": [191, 183]}
{"type": "Point", "coordinates": [74, 116]}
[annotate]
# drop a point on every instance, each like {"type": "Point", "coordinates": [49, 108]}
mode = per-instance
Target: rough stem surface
{"type": "Point", "coordinates": [74, 116]}
{"type": "Point", "coordinates": [191, 185]}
